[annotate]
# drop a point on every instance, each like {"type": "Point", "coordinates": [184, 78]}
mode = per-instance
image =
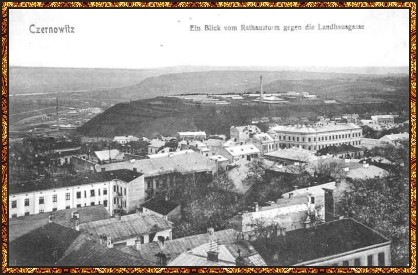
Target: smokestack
{"type": "Point", "coordinates": [261, 88]}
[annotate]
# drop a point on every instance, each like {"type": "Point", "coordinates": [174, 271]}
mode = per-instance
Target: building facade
{"type": "Point", "coordinates": [316, 138]}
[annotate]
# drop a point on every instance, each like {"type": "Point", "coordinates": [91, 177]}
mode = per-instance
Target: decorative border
{"type": "Point", "coordinates": [4, 122]}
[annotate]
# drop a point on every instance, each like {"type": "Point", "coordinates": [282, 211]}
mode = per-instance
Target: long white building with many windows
{"type": "Point", "coordinates": [118, 191]}
{"type": "Point", "coordinates": [316, 138]}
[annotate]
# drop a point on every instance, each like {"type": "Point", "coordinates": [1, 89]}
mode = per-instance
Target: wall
{"type": "Point", "coordinates": [135, 194]}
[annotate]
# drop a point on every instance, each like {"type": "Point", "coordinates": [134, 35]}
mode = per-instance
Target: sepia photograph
{"type": "Point", "coordinates": [203, 137]}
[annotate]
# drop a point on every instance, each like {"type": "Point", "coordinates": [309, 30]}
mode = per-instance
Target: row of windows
{"type": "Point", "coordinates": [116, 189]}
{"type": "Point", "coordinates": [67, 197]}
{"type": "Point", "coordinates": [320, 146]}
{"type": "Point", "coordinates": [370, 261]}
{"type": "Point", "coordinates": [321, 138]}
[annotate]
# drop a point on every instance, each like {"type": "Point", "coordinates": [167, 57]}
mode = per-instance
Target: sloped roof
{"type": "Point", "coordinates": [127, 227]}
{"type": "Point", "coordinates": [22, 225]}
{"type": "Point", "coordinates": [242, 150]}
{"type": "Point", "coordinates": [156, 143]}
{"type": "Point", "coordinates": [367, 172]}
{"type": "Point", "coordinates": [293, 154]}
{"type": "Point", "coordinates": [183, 163]}
{"type": "Point", "coordinates": [197, 133]}
{"type": "Point", "coordinates": [160, 205]}
{"type": "Point", "coordinates": [85, 251]}
{"type": "Point", "coordinates": [104, 155]}
{"type": "Point", "coordinates": [42, 246]}
{"type": "Point", "coordinates": [198, 257]}
{"type": "Point", "coordinates": [247, 252]}
{"type": "Point", "coordinates": [395, 137]}
{"type": "Point", "coordinates": [175, 247]}
{"type": "Point", "coordinates": [319, 129]}
{"type": "Point", "coordinates": [263, 137]}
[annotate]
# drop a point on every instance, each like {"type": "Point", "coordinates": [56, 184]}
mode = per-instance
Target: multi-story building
{"type": "Point", "coordinates": [243, 133]}
{"type": "Point", "coordinates": [198, 135]}
{"type": "Point", "coordinates": [316, 138]}
{"type": "Point", "coordinates": [118, 191]}
{"type": "Point", "coordinates": [383, 119]}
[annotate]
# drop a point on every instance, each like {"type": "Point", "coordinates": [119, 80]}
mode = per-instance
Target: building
{"type": "Point", "coordinates": [394, 139]}
{"type": "Point", "coordinates": [370, 143]}
{"type": "Point", "coordinates": [265, 143]}
{"type": "Point", "coordinates": [291, 156]}
{"type": "Point", "coordinates": [343, 242]}
{"type": "Point", "coordinates": [108, 156]}
{"type": "Point", "coordinates": [162, 207]}
{"type": "Point", "coordinates": [160, 173]}
{"type": "Point", "coordinates": [342, 151]}
{"type": "Point", "coordinates": [125, 139]}
{"type": "Point", "coordinates": [316, 138]}
{"type": "Point", "coordinates": [383, 119]}
{"type": "Point", "coordinates": [129, 229]}
{"type": "Point", "coordinates": [154, 146]}
{"type": "Point", "coordinates": [243, 133]}
{"type": "Point", "coordinates": [119, 190]}
{"type": "Point", "coordinates": [197, 135]}
{"type": "Point", "coordinates": [246, 151]}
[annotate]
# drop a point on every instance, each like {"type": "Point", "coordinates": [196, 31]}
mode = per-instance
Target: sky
{"type": "Point", "coordinates": [151, 38]}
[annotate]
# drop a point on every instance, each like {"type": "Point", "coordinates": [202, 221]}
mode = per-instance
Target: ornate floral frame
{"type": "Point", "coordinates": [6, 6]}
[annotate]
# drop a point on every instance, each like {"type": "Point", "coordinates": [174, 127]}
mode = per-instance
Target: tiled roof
{"type": "Point", "coordinates": [183, 163]}
{"type": "Point", "coordinates": [104, 155]}
{"type": "Point", "coordinates": [175, 247]}
{"type": "Point", "coordinates": [22, 225]}
{"type": "Point", "coordinates": [73, 180]}
{"type": "Point", "coordinates": [164, 155]}
{"type": "Point", "coordinates": [127, 227]}
{"type": "Point", "coordinates": [198, 257]}
{"type": "Point", "coordinates": [160, 205]}
{"type": "Point", "coordinates": [85, 251]}
{"type": "Point", "coordinates": [323, 240]}
{"type": "Point", "coordinates": [242, 150]}
{"type": "Point", "coordinates": [42, 246]}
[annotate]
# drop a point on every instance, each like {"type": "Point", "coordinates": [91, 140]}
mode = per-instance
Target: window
{"type": "Point", "coordinates": [41, 200]}
{"type": "Point", "coordinates": [149, 185]}
{"type": "Point", "coordinates": [14, 216]}
{"type": "Point", "coordinates": [114, 188]}
{"type": "Point", "coordinates": [124, 203]}
{"type": "Point", "coordinates": [104, 191]}
{"type": "Point", "coordinates": [85, 193]}
{"type": "Point", "coordinates": [92, 193]}
{"type": "Point", "coordinates": [54, 209]}
{"type": "Point", "coordinates": [100, 202]}
{"type": "Point", "coordinates": [92, 203]}
{"type": "Point", "coordinates": [114, 200]}
{"type": "Point", "coordinates": [124, 191]}
{"type": "Point", "coordinates": [370, 260]}
{"type": "Point", "coordinates": [78, 195]}
{"type": "Point", "coordinates": [27, 213]}
{"type": "Point", "coordinates": [357, 262]}
{"type": "Point", "coordinates": [346, 263]}
{"type": "Point", "coordinates": [14, 204]}
{"type": "Point", "coordinates": [67, 207]}
{"type": "Point", "coordinates": [381, 258]}
{"type": "Point", "coordinates": [78, 205]}
{"type": "Point", "coordinates": [105, 203]}
{"type": "Point", "coordinates": [54, 198]}
{"type": "Point", "coordinates": [26, 202]}
{"type": "Point", "coordinates": [67, 196]}
{"type": "Point", "coordinates": [312, 199]}
{"type": "Point", "coordinates": [41, 211]}
{"type": "Point", "coordinates": [98, 191]}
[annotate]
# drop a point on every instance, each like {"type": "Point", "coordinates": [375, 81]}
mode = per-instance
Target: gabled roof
{"type": "Point", "coordinates": [22, 225]}
{"type": "Point", "coordinates": [395, 137]}
{"type": "Point", "coordinates": [128, 226]}
{"type": "Point", "coordinates": [241, 150]}
{"type": "Point", "coordinates": [85, 251]}
{"type": "Point", "coordinates": [175, 247]}
{"type": "Point", "coordinates": [105, 154]}
{"type": "Point", "coordinates": [160, 205]}
{"type": "Point", "coordinates": [198, 257]}
{"type": "Point", "coordinates": [43, 246]}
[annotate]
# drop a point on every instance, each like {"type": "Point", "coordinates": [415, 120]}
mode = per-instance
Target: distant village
{"type": "Point", "coordinates": [185, 200]}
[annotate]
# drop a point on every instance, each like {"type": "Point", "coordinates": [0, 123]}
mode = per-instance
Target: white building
{"type": "Point", "coordinates": [116, 190]}
{"type": "Point", "coordinates": [125, 139]}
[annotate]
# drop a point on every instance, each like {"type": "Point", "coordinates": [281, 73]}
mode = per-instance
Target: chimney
{"type": "Point", "coordinates": [239, 261]}
{"type": "Point", "coordinates": [256, 206]}
{"type": "Point", "coordinates": [261, 88]}
{"type": "Point", "coordinates": [161, 242]}
{"type": "Point", "coordinates": [135, 169]}
{"type": "Point", "coordinates": [137, 244]}
{"type": "Point", "coordinates": [77, 225]}
{"type": "Point", "coordinates": [212, 254]}
{"type": "Point", "coordinates": [102, 239]}
{"type": "Point", "coordinates": [109, 241]}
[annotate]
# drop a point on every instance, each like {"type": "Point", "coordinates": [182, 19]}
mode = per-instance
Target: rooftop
{"type": "Point", "coordinates": [160, 205]}
{"type": "Point", "coordinates": [292, 154]}
{"type": "Point", "coordinates": [22, 225]}
{"type": "Point", "coordinates": [175, 247]}
{"type": "Point", "coordinates": [127, 226]}
{"type": "Point", "coordinates": [315, 130]}
{"type": "Point", "coordinates": [327, 239]}
{"type": "Point", "coordinates": [157, 143]}
{"type": "Point", "coordinates": [344, 148]}
{"type": "Point", "coordinates": [240, 150]}
{"type": "Point", "coordinates": [108, 154]}
{"type": "Point", "coordinates": [183, 163]}
{"type": "Point", "coordinates": [197, 133]}
{"type": "Point", "coordinates": [85, 251]}
{"type": "Point", "coordinates": [73, 180]}
{"type": "Point", "coordinates": [42, 246]}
